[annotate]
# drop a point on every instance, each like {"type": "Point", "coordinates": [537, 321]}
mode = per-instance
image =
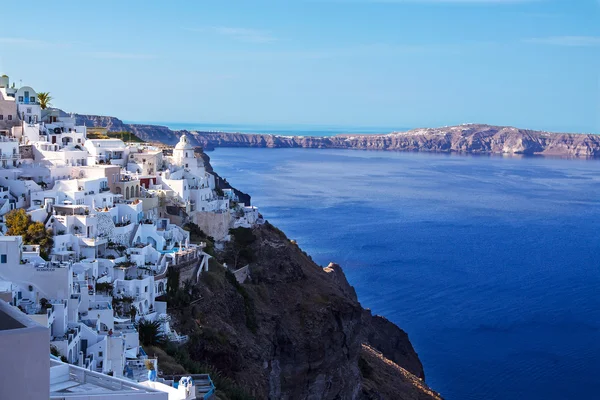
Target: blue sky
{"type": "Point", "coordinates": [389, 63]}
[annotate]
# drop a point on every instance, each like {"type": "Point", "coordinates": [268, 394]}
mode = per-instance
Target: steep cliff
{"type": "Point", "coordinates": [470, 138]}
{"type": "Point", "coordinates": [222, 183]}
{"type": "Point", "coordinates": [474, 138]}
{"type": "Point", "coordinates": [295, 330]}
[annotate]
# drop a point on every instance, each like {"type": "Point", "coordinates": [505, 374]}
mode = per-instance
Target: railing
{"type": "Point", "coordinates": [7, 139]}
{"type": "Point", "coordinates": [83, 376]}
{"type": "Point", "coordinates": [202, 382]}
{"type": "Point", "coordinates": [93, 241]}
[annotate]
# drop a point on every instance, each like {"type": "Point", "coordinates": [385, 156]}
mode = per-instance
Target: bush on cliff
{"type": "Point", "coordinates": [197, 235]}
{"type": "Point", "coordinates": [226, 387]}
{"type": "Point", "coordinates": [238, 251]}
{"type": "Point", "coordinates": [19, 223]}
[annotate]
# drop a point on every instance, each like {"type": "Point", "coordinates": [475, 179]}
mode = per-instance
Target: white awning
{"type": "Point", "coordinates": [104, 279]}
{"type": "Point", "coordinates": [131, 353]}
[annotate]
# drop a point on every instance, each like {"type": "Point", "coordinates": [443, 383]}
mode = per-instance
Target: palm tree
{"type": "Point", "coordinates": [44, 98]}
{"type": "Point", "coordinates": [150, 333]}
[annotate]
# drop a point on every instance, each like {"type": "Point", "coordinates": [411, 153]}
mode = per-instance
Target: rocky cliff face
{"type": "Point", "coordinates": [482, 139]}
{"type": "Point", "coordinates": [296, 330]}
{"type": "Point", "coordinates": [471, 138]}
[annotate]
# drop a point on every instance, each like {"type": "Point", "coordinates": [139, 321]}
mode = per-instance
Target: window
{"type": "Point", "coordinates": [21, 99]}
{"type": "Point", "coordinates": [32, 99]}
{"type": "Point", "coordinates": [146, 289]}
{"type": "Point", "coordinates": [1, 117]}
{"type": "Point", "coordinates": [99, 354]}
{"type": "Point", "coordinates": [3, 259]}
{"type": "Point", "coordinates": [10, 117]}
{"type": "Point", "coordinates": [29, 111]}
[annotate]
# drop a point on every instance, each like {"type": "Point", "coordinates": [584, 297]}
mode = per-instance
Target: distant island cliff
{"type": "Point", "coordinates": [469, 138]}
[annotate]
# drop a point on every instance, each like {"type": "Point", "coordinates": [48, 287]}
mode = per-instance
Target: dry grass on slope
{"type": "Point", "coordinates": [384, 379]}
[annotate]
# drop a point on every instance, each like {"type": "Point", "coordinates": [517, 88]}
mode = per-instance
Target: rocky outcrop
{"type": "Point", "coordinates": [111, 123]}
{"type": "Point", "coordinates": [295, 330]}
{"type": "Point", "coordinates": [384, 379]}
{"type": "Point", "coordinates": [469, 138]}
{"type": "Point", "coordinates": [392, 342]}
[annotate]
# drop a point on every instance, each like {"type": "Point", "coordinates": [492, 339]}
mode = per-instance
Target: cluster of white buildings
{"type": "Point", "coordinates": [116, 212]}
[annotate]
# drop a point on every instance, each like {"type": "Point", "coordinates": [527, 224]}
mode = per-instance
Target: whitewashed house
{"type": "Point", "coordinates": [107, 151]}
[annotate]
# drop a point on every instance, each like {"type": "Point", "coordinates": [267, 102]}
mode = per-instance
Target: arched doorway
{"type": "Point", "coordinates": [150, 240]}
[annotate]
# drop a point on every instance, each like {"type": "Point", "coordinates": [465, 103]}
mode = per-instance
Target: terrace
{"type": "Point", "coordinates": [69, 381]}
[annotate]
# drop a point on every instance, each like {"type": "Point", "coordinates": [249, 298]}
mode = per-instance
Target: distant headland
{"type": "Point", "coordinates": [468, 138]}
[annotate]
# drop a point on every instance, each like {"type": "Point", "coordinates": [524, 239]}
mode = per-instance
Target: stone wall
{"type": "Point", "coordinates": [213, 224]}
{"type": "Point", "coordinates": [106, 227]}
{"type": "Point", "coordinates": [188, 272]}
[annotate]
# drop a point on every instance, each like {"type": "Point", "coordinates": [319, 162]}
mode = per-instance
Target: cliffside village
{"type": "Point", "coordinates": [116, 212]}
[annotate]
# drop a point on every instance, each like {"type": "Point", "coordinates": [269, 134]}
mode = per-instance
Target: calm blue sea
{"type": "Point", "coordinates": [285, 130]}
{"type": "Point", "coordinates": [491, 264]}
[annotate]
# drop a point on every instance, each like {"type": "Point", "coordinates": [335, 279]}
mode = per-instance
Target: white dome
{"type": "Point", "coordinates": [184, 144]}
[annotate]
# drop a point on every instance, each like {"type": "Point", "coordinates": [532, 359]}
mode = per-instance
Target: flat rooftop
{"type": "Point", "coordinates": [71, 381]}
{"type": "Point", "coordinates": [11, 318]}
{"type": "Point", "coordinates": [7, 322]}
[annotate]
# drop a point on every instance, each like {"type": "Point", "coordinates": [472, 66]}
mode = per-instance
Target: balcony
{"type": "Point", "coordinates": [92, 242]}
{"type": "Point", "coordinates": [10, 156]}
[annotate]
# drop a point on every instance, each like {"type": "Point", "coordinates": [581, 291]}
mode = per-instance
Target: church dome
{"type": "Point", "coordinates": [184, 144]}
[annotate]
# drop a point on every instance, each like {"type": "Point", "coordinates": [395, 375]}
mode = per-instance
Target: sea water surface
{"type": "Point", "coordinates": [491, 264]}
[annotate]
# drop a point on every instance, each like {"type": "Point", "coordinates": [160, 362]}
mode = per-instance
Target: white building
{"type": "Point", "coordinates": [107, 204]}
{"type": "Point", "coordinates": [24, 349]}
{"type": "Point", "coordinates": [183, 153]}
{"type": "Point", "coordinates": [62, 130]}
{"type": "Point", "coordinates": [107, 151]}
{"type": "Point", "coordinates": [8, 106]}
{"type": "Point", "coordinates": [28, 107]}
